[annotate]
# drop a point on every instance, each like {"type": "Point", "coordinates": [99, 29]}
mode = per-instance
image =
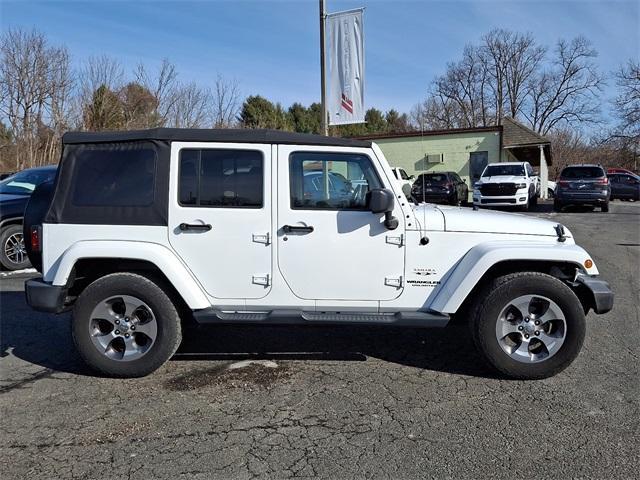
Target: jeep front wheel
{"type": "Point", "coordinates": [124, 325]}
{"type": "Point", "coordinates": [529, 325]}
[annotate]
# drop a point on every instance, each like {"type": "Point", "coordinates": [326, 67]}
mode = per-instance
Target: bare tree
{"type": "Point", "coordinates": [459, 95]}
{"type": "Point", "coordinates": [627, 102]}
{"type": "Point", "coordinates": [510, 59]}
{"type": "Point", "coordinates": [191, 108]}
{"type": "Point", "coordinates": [226, 102]}
{"type": "Point", "coordinates": [35, 84]}
{"type": "Point", "coordinates": [163, 86]}
{"type": "Point", "coordinates": [568, 92]}
{"type": "Point", "coordinates": [97, 106]}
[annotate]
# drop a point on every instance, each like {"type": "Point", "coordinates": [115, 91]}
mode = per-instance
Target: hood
{"type": "Point", "coordinates": [484, 221]}
{"type": "Point", "coordinates": [8, 197]}
{"type": "Point", "coordinates": [503, 179]}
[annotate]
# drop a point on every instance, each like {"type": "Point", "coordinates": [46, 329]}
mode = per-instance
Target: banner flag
{"type": "Point", "coordinates": [346, 67]}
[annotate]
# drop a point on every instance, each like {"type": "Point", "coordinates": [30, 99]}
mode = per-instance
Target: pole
{"type": "Point", "coordinates": [323, 86]}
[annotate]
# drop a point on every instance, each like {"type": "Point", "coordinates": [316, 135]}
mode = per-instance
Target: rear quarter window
{"type": "Point", "coordinates": [111, 178]}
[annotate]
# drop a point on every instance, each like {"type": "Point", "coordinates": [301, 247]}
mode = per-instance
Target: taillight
{"type": "Point", "coordinates": [35, 239]}
{"type": "Point", "coordinates": [563, 183]}
{"type": "Point", "coordinates": [602, 181]}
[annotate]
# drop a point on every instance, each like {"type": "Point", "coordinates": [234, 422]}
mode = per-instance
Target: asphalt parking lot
{"type": "Point", "coordinates": [331, 402]}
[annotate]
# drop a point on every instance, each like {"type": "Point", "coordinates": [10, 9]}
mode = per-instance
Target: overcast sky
{"type": "Point", "coordinates": [271, 46]}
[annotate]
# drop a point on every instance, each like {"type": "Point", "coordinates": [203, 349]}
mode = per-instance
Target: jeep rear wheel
{"type": "Point", "coordinates": [124, 325]}
{"type": "Point", "coordinates": [528, 325]}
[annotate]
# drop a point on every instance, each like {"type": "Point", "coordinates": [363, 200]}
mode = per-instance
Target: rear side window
{"type": "Point", "coordinates": [108, 178]}
{"type": "Point", "coordinates": [221, 178]}
{"type": "Point", "coordinates": [582, 172]}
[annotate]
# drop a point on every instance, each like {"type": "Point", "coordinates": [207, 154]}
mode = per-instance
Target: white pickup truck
{"type": "Point", "coordinates": [145, 230]}
{"type": "Point", "coordinates": [507, 184]}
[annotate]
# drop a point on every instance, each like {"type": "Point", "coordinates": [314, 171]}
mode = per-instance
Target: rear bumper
{"type": "Point", "coordinates": [602, 294]}
{"type": "Point", "coordinates": [44, 297]}
{"type": "Point", "coordinates": [581, 198]}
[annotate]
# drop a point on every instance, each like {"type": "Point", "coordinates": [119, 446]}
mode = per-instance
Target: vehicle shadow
{"type": "Point", "coordinates": [45, 340]}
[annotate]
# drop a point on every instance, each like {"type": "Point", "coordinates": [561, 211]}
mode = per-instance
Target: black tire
{"type": "Point", "coordinates": [557, 206]}
{"type": "Point", "coordinates": [10, 259]}
{"type": "Point", "coordinates": [169, 334]}
{"type": "Point", "coordinates": [455, 200]}
{"type": "Point", "coordinates": [605, 207]}
{"type": "Point", "coordinates": [498, 294]}
{"type": "Point", "coordinates": [534, 200]}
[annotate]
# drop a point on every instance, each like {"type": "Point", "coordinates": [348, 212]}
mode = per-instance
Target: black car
{"type": "Point", "coordinates": [14, 195]}
{"type": "Point", "coordinates": [582, 185]}
{"type": "Point", "coordinates": [624, 186]}
{"type": "Point", "coordinates": [441, 187]}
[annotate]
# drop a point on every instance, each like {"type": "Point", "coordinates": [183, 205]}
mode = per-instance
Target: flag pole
{"type": "Point", "coordinates": [323, 86]}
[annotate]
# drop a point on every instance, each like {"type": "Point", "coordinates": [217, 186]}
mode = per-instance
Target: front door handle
{"type": "Point", "coordinates": [296, 229]}
{"type": "Point", "coordinates": [194, 226]}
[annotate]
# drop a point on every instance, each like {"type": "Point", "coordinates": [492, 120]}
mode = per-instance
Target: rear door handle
{"type": "Point", "coordinates": [296, 229]}
{"type": "Point", "coordinates": [195, 226]}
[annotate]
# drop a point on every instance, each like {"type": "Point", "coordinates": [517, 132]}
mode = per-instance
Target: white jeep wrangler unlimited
{"type": "Point", "coordinates": [507, 184]}
{"type": "Point", "coordinates": [145, 230]}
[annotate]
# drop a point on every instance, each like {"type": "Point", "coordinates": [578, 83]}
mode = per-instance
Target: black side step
{"type": "Point", "coordinates": [299, 317]}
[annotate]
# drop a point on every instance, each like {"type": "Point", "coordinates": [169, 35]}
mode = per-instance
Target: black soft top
{"type": "Point", "coordinates": [212, 135]}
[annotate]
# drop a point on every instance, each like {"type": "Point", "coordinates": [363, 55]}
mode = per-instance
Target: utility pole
{"type": "Point", "coordinates": [323, 86]}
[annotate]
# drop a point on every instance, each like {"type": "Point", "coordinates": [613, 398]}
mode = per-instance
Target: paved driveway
{"type": "Point", "coordinates": [330, 402]}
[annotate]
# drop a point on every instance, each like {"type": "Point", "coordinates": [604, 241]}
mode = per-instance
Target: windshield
{"type": "Point", "coordinates": [25, 182]}
{"type": "Point", "coordinates": [582, 172]}
{"type": "Point", "coordinates": [497, 170]}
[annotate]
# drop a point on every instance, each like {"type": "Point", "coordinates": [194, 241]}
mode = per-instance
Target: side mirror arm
{"type": "Point", "coordinates": [390, 221]}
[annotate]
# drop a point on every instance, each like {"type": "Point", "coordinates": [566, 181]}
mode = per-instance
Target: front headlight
{"type": "Point", "coordinates": [521, 185]}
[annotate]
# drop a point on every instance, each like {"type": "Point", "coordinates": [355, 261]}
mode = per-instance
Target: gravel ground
{"type": "Point", "coordinates": [330, 402]}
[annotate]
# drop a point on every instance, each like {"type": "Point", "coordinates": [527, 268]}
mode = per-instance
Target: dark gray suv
{"type": "Point", "coordinates": [582, 185]}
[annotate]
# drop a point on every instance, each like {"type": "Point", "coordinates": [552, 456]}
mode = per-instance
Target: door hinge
{"type": "Point", "coordinates": [262, 238]}
{"type": "Point", "coordinates": [394, 240]}
{"type": "Point", "coordinates": [393, 282]}
{"type": "Point", "coordinates": [261, 280]}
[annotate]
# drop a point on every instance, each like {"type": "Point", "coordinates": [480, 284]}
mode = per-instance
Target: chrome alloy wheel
{"type": "Point", "coordinates": [14, 249]}
{"type": "Point", "coordinates": [123, 328]}
{"type": "Point", "coordinates": [531, 328]}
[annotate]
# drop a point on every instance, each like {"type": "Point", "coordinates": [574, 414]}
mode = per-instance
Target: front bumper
{"type": "Point", "coordinates": [519, 199]}
{"type": "Point", "coordinates": [45, 297]}
{"type": "Point", "coordinates": [600, 291]}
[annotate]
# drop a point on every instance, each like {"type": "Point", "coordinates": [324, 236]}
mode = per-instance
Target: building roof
{"type": "Point", "coordinates": [449, 131]}
{"type": "Point", "coordinates": [517, 135]}
{"type": "Point", "coordinates": [212, 135]}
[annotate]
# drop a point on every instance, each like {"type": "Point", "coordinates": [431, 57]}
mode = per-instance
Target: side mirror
{"type": "Point", "coordinates": [411, 177]}
{"type": "Point", "coordinates": [381, 200]}
{"type": "Point", "coordinates": [464, 180]}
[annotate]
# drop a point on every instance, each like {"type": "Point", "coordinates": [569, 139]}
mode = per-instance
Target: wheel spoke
{"type": "Point", "coordinates": [104, 311]}
{"type": "Point", "coordinates": [551, 343]}
{"type": "Point", "coordinates": [131, 348]}
{"type": "Point", "coordinates": [150, 329]}
{"type": "Point", "coordinates": [523, 349]}
{"type": "Point", "coordinates": [103, 340]}
{"type": "Point", "coordinates": [507, 328]}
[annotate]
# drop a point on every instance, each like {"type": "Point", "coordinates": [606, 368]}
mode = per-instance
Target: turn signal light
{"type": "Point", "coordinates": [35, 239]}
{"type": "Point", "coordinates": [588, 263]}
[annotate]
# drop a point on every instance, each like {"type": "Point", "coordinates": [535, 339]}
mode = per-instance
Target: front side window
{"type": "Point", "coordinates": [221, 178]}
{"type": "Point", "coordinates": [331, 181]}
{"type": "Point", "coordinates": [115, 178]}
